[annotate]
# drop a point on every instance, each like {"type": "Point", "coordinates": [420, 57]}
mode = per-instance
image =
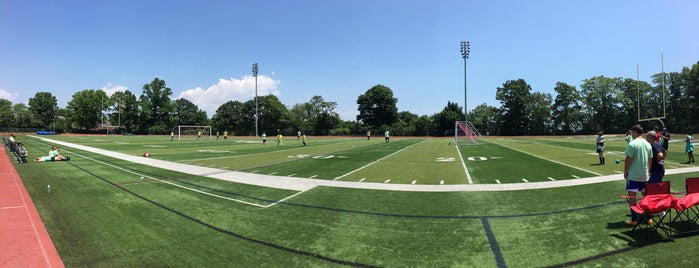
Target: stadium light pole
{"type": "Point", "coordinates": [465, 50]}
{"type": "Point", "coordinates": [255, 70]}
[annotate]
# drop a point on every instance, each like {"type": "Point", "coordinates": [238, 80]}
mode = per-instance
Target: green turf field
{"type": "Point", "coordinates": [102, 213]}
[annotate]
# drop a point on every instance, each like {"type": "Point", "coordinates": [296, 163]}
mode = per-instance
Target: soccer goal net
{"type": "Point", "coordinates": [194, 132]}
{"type": "Point", "coordinates": [465, 133]}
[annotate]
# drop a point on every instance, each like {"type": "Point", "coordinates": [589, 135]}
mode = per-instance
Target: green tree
{"type": "Point", "coordinates": [7, 118]}
{"type": "Point", "coordinates": [156, 107]}
{"type": "Point", "coordinates": [187, 113]}
{"type": "Point", "coordinates": [377, 107]}
{"type": "Point", "coordinates": [444, 121]}
{"type": "Point", "coordinates": [124, 112]}
{"type": "Point", "coordinates": [405, 124]}
{"type": "Point", "coordinates": [423, 126]}
{"type": "Point", "coordinates": [229, 117]}
{"type": "Point", "coordinates": [513, 96]}
{"type": "Point", "coordinates": [22, 116]}
{"type": "Point", "coordinates": [323, 115]}
{"type": "Point", "coordinates": [539, 109]}
{"type": "Point", "coordinates": [85, 109]}
{"type": "Point", "coordinates": [43, 106]}
{"type": "Point", "coordinates": [605, 104]}
{"type": "Point", "coordinates": [273, 115]}
{"type": "Point", "coordinates": [566, 115]}
{"type": "Point", "coordinates": [300, 116]}
{"type": "Point", "coordinates": [485, 119]}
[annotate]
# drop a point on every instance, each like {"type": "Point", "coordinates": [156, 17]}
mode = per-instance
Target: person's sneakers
{"type": "Point", "coordinates": [67, 158]}
{"type": "Point", "coordinates": [632, 223]}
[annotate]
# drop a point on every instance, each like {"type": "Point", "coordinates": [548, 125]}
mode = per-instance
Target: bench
{"type": "Point", "coordinates": [14, 149]}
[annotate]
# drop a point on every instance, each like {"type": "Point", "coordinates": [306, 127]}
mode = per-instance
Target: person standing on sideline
{"type": "Point", "coordinates": [304, 139]}
{"type": "Point", "coordinates": [689, 148]}
{"type": "Point", "coordinates": [665, 135]}
{"type": "Point", "coordinates": [600, 146]}
{"type": "Point", "coordinates": [368, 134]}
{"type": "Point", "coordinates": [636, 168]}
{"type": "Point", "coordinates": [387, 136]}
{"type": "Point", "coordinates": [172, 135]}
{"type": "Point", "coordinates": [657, 168]}
{"type": "Point", "coordinates": [264, 137]}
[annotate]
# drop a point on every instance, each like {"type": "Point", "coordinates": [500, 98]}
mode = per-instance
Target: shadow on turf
{"type": "Point", "coordinates": [636, 239]}
{"type": "Point", "coordinates": [644, 236]}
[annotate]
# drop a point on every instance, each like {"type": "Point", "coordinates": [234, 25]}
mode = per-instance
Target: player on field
{"type": "Point", "coordinates": [689, 148]}
{"type": "Point", "coordinates": [225, 135]}
{"type": "Point", "coordinates": [280, 139]}
{"type": "Point", "coordinates": [264, 137]}
{"type": "Point", "coordinates": [600, 147]}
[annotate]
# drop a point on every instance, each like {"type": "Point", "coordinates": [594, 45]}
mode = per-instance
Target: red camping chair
{"type": "Point", "coordinates": [689, 204]}
{"type": "Point", "coordinates": [655, 206]}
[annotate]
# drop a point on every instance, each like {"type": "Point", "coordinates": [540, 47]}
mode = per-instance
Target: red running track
{"type": "Point", "coordinates": [24, 241]}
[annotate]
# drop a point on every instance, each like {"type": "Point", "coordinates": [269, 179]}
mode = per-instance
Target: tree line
{"type": "Point", "coordinates": [611, 104]}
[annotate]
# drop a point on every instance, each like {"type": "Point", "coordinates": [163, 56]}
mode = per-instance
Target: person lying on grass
{"type": "Point", "coordinates": [52, 158]}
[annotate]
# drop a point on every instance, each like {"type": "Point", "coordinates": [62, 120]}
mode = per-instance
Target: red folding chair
{"type": "Point", "coordinates": [688, 205]}
{"type": "Point", "coordinates": [655, 206]}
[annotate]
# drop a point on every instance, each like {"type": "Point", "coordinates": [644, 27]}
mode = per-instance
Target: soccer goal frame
{"type": "Point", "coordinates": [465, 133]}
{"type": "Point", "coordinates": [181, 130]}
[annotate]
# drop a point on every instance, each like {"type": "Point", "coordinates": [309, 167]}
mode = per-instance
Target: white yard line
{"type": "Point", "coordinates": [554, 161]}
{"type": "Point", "coordinates": [379, 160]}
{"type": "Point", "coordinates": [468, 175]}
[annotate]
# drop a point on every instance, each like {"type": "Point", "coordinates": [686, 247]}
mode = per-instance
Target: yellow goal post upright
{"type": "Point", "coordinates": [465, 133]}
{"type": "Point", "coordinates": [664, 99]}
{"type": "Point", "coordinates": [180, 130]}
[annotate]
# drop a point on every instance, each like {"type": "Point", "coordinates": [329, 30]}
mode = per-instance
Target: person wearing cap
{"type": "Point", "coordinates": [657, 167]}
{"type": "Point", "coordinates": [665, 140]}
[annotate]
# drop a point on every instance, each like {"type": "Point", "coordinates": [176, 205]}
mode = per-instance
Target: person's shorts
{"type": "Point", "coordinates": [600, 148]}
{"type": "Point", "coordinates": [635, 186]}
{"type": "Point", "coordinates": [656, 177]}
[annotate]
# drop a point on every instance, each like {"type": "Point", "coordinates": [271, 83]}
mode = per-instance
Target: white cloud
{"type": "Point", "coordinates": [230, 89]}
{"type": "Point", "coordinates": [7, 95]}
{"type": "Point", "coordinates": [111, 89]}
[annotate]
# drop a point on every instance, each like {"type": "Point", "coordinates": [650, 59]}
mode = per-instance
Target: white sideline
{"type": "Point", "coordinates": [301, 184]}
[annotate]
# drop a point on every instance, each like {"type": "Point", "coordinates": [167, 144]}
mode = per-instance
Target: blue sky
{"type": "Point", "coordinates": [336, 49]}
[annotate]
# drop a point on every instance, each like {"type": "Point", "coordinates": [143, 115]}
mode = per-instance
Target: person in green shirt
{"type": "Point", "coordinates": [639, 157]}
{"type": "Point", "coordinates": [387, 136]}
{"type": "Point", "coordinates": [264, 137]}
